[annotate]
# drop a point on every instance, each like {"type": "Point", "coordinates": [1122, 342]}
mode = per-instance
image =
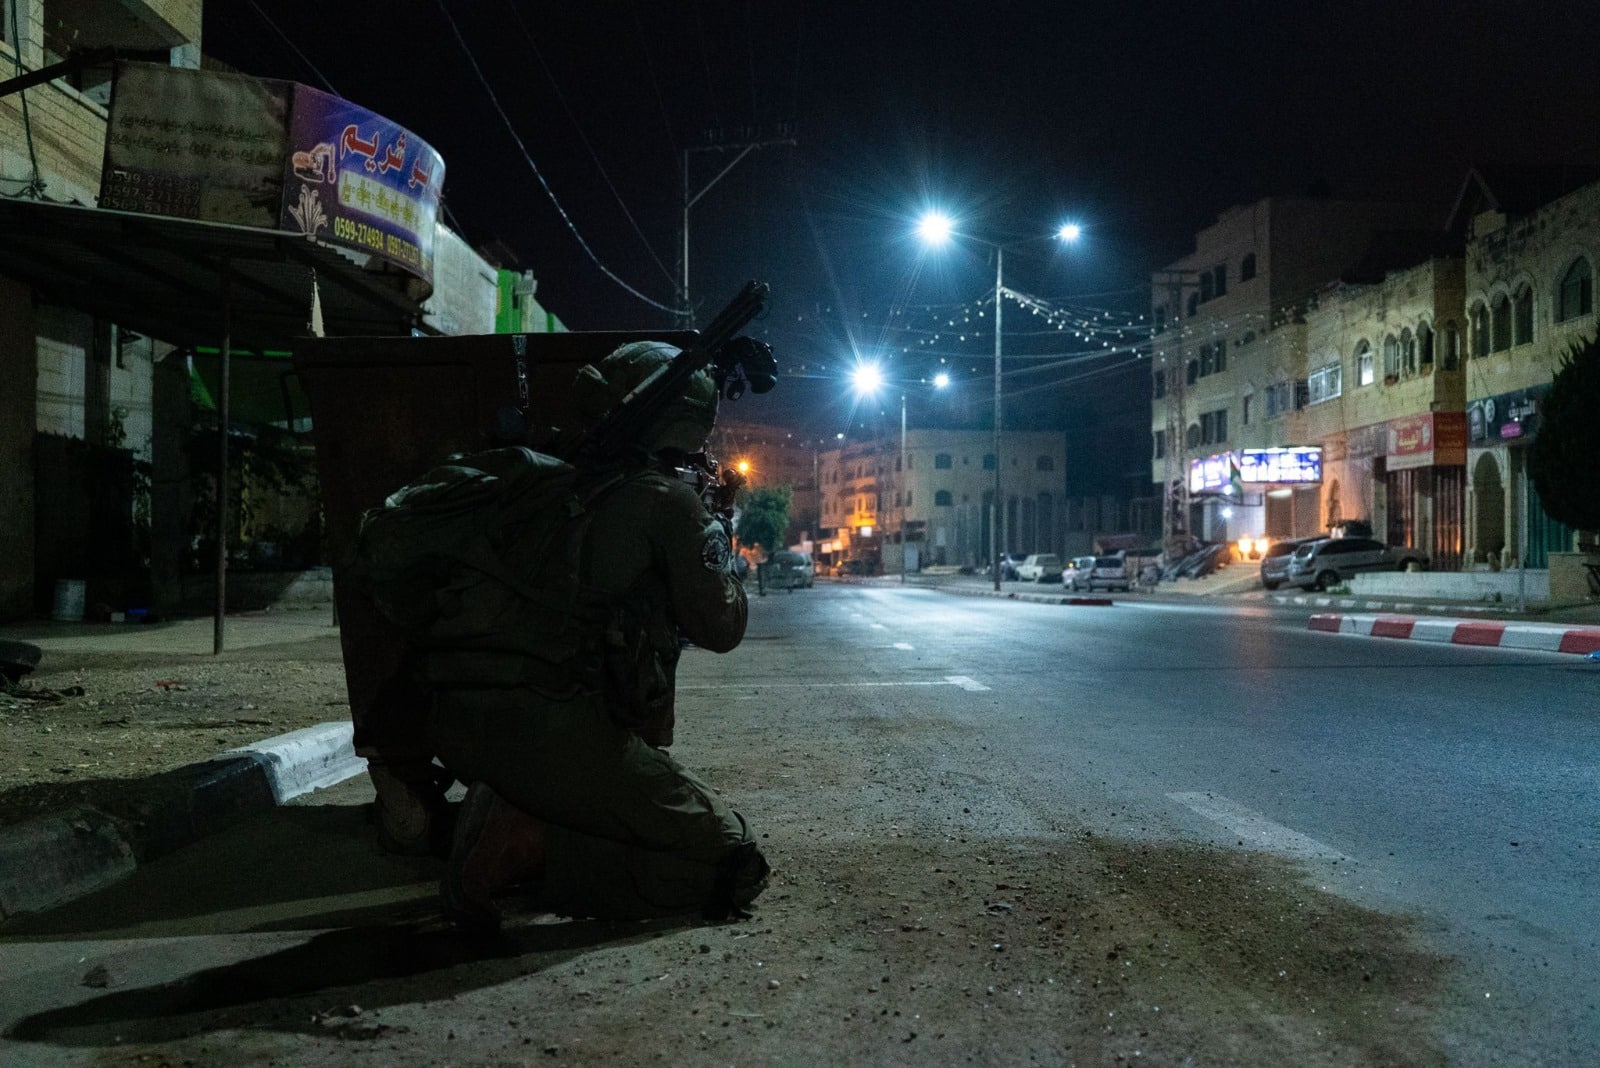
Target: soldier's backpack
{"type": "Point", "coordinates": [478, 555]}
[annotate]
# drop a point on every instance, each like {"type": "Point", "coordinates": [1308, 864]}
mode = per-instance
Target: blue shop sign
{"type": "Point", "coordinates": [1506, 418]}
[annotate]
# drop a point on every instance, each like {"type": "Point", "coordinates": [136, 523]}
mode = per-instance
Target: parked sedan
{"type": "Point", "coordinates": [1275, 561]}
{"type": "Point", "coordinates": [1329, 561]}
{"type": "Point", "coordinates": [1040, 567]}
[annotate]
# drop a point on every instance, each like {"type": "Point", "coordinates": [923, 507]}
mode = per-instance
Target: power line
{"type": "Point", "coordinates": [560, 96]}
{"type": "Point", "coordinates": [534, 167]}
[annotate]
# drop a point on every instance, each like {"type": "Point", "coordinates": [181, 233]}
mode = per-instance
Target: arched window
{"type": "Point", "coordinates": [1247, 267]}
{"type": "Point", "coordinates": [941, 498]}
{"type": "Point", "coordinates": [1408, 352]}
{"type": "Point", "coordinates": [1500, 323]}
{"type": "Point", "coordinates": [1391, 357]}
{"type": "Point", "coordinates": [1480, 330]}
{"type": "Point", "coordinates": [1577, 292]}
{"type": "Point", "coordinates": [1452, 346]}
{"type": "Point", "coordinates": [1193, 436]}
{"type": "Point", "coordinates": [1425, 344]}
{"type": "Point", "coordinates": [1192, 371]}
{"type": "Point", "coordinates": [1364, 374]}
{"type": "Point", "coordinates": [1522, 317]}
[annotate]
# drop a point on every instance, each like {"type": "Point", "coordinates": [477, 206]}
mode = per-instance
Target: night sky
{"type": "Point", "coordinates": [1140, 121]}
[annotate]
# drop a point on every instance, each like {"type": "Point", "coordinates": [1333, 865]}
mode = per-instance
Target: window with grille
{"type": "Point", "coordinates": [1364, 374]}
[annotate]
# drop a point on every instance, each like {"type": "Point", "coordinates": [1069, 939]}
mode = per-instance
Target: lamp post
{"type": "Point", "coordinates": [937, 229]}
{"type": "Point", "coordinates": [868, 380]}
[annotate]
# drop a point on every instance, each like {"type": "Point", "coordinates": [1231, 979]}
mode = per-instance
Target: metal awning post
{"type": "Point", "coordinates": [222, 464]}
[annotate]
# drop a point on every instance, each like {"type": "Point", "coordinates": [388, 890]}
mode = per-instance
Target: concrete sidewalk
{"type": "Point", "coordinates": [54, 858]}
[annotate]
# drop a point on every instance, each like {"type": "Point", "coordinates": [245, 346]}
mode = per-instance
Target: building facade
{"type": "Point", "coordinates": [1385, 402]}
{"type": "Point", "coordinates": [104, 455]}
{"type": "Point", "coordinates": [941, 497]}
{"type": "Point", "coordinates": [1230, 363]}
{"type": "Point", "coordinates": [1530, 265]}
{"type": "Point", "coordinates": [1400, 391]}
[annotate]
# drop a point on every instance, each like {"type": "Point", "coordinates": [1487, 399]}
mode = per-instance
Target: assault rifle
{"type": "Point", "coordinates": [734, 362]}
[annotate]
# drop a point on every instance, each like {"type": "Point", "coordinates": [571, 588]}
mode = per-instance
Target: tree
{"type": "Point", "coordinates": [764, 516]}
{"type": "Point", "coordinates": [1564, 459]}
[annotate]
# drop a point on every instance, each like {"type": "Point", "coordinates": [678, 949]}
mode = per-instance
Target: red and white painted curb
{"type": "Point", "coordinates": [1541, 637]}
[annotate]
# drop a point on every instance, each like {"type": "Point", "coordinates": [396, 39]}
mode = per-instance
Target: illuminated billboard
{"type": "Point", "coordinates": [227, 148]}
{"type": "Point", "coordinates": [1217, 473]}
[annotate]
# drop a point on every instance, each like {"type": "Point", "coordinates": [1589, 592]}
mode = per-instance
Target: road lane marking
{"type": "Point", "coordinates": [1255, 829]}
{"type": "Point", "coordinates": [959, 681]}
{"type": "Point", "coordinates": [879, 626]}
{"type": "Point", "coordinates": [903, 645]}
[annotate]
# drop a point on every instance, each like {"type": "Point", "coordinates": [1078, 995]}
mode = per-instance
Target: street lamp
{"type": "Point", "coordinates": [868, 380]}
{"type": "Point", "coordinates": [936, 228]}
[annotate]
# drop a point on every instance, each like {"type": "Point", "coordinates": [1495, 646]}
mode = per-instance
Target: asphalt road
{"type": "Point", "coordinates": [1452, 783]}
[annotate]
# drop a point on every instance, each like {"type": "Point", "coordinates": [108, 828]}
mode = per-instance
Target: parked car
{"type": "Point", "coordinates": [1110, 573]}
{"type": "Point", "coordinates": [1075, 574]}
{"type": "Point", "coordinates": [1329, 561]}
{"type": "Point", "coordinates": [1275, 561]}
{"type": "Point", "coordinates": [1008, 567]}
{"type": "Point", "coordinates": [1040, 567]}
{"type": "Point", "coordinates": [858, 567]}
{"type": "Point", "coordinates": [791, 570]}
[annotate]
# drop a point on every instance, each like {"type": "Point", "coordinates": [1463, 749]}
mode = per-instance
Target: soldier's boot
{"type": "Point", "coordinates": [496, 846]}
{"type": "Point", "coordinates": [411, 813]}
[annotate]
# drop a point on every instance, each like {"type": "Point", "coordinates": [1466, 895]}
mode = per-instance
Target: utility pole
{"type": "Point", "coordinates": [744, 140]}
{"type": "Point", "coordinates": [1172, 369]}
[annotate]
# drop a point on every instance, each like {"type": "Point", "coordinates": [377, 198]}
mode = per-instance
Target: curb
{"type": "Point", "coordinates": [1453, 608]}
{"type": "Point", "coordinates": [1015, 595]}
{"type": "Point", "coordinates": [1537, 637]}
{"type": "Point", "coordinates": [53, 859]}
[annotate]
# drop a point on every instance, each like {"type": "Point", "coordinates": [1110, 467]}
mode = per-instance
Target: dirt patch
{"type": "Point", "coordinates": [1077, 952]}
{"type": "Point", "coordinates": [93, 733]}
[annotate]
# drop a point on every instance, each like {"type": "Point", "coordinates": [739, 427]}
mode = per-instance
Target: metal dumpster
{"type": "Point", "coordinates": [385, 410]}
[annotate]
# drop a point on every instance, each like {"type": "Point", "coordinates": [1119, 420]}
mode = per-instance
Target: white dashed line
{"type": "Point", "coordinates": [906, 646]}
{"type": "Point", "coordinates": [965, 683]}
{"type": "Point", "coordinates": [1255, 829]}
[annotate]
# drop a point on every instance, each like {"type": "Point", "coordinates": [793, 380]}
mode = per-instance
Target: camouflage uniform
{"type": "Point", "coordinates": [627, 831]}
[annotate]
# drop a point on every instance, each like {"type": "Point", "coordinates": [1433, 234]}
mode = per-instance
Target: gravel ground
{"type": "Point", "coordinates": [904, 946]}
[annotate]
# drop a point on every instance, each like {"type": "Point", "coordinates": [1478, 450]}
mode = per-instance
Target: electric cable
{"type": "Point", "coordinates": [534, 167]}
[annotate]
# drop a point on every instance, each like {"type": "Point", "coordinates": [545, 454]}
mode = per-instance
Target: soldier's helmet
{"type": "Point", "coordinates": [686, 422]}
